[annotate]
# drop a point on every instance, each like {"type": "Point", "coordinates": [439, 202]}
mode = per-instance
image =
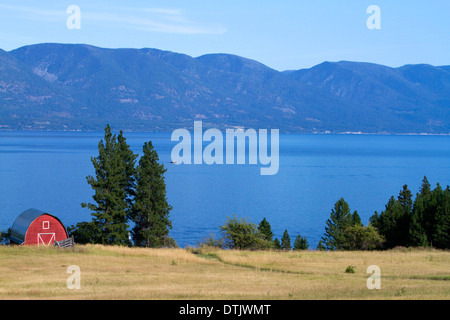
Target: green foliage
{"type": "Point", "coordinates": [345, 231]}
{"type": "Point", "coordinates": [286, 241]}
{"type": "Point", "coordinates": [84, 232]}
{"type": "Point", "coordinates": [425, 188]}
{"type": "Point", "coordinates": [243, 235]}
{"type": "Point", "coordinates": [393, 225]}
{"type": "Point", "coordinates": [340, 219]}
{"type": "Point", "coordinates": [127, 160]}
{"type": "Point", "coordinates": [125, 193]}
{"type": "Point", "coordinates": [350, 269]}
{"type": "Point", "coordinates": [114, 170]}
{"type": "Point", "coordinates": [167, 242]}
{"type": "Point", "coordinates": [430, 222]}
{"type": "Point", "coordinates": [150, 211]}
{"type": "Point", "coordinates": [301, 243]}
{"type": "Point", "coordinates": [405, 200]}
{"type": "Point", "coordinates": [265, 230]}
{"type": "Point", "coordinates": [4, 237]}
{"type": "Point", "coordinates": [356, 219]}
{"type": "Point", "coordinates": [441, 236]}
{"type": "Point", "coordinates": [211, 241]}
{"type": "Point", "coordinates": [358, 237]}
{"type": "Point", "coordinates": [321, 246]}
{"type": "Point", "coordinates": [394, 222]}
{"type": "Point", "coordinates": [276, 244]}
{"type": "Point", "coordinates": [423, 222]}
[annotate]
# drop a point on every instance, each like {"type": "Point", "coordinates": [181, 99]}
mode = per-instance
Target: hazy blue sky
{"type": "Point", "coordinates": [284, 34]}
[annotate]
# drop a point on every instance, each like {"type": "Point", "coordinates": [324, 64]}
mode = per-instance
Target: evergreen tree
{"type": "Point", "coordinates": [301, 243]}
{"type": "Point", "coordinates": [85, 232]}
{"type": "Point", "coordinates": [286, 241]}
{"type": "Point", "coordinates": [393, 225]}
{"type": "Point", "coordinates": [321, 246]}
{"type": "Point", "coordinates": [423, 220]}
{"type": "Point", "coordinates": [113, 177]}
{"type": "Point", "coordinates": [394, 222]}
{"type": "Point", "coordinates": [277, 244]}
{"type": "Point", "coordinates": [425, 188]}
{"type": "Point", "coordinates": [441, 237]}
{"type": "Point", "coordinates": [265, 230]}
{"type": "Point", "coordinates": [405, 200]}
{"type": "Point", "coordinates": [340, 219]}
{"type": "Point", "coordinates": [356, 219]}
{"type": "Point", "coordinates": [375, 220]}
{"type": "Point", "coordinates": [128, 159]}
{"type": "Point", "coordinates": [151, 209]}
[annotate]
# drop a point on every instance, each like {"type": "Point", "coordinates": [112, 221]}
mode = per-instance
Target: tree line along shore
{"type": "Point", "coordinates": [130, 192]}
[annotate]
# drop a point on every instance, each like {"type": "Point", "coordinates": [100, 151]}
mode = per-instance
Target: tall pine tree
{"type": "Point", "coordinates": [423, 219]}
{"type": "Point", "coordinates": [394, 222]}
{"type": "Point", "coordinates": [265, 230]}
{"type": "Point", "coordinates": [340, 219]}
{"type": "Point", "coordinates": [128, 159]}
{"type": "Point", "coordinates": [151, 209]}
{"type": "Point", "coordinates": [405, 200]}
{"type": "Point", "coordinates": [356, 219]}
{"type": "Point", "coordinates": [441, 236]}
{"type": "Point", "coordinates": [112, 185]}
{"type": "Point", "coordinates": [301, 243]}
{"type": "Point", "coordinates": [286, 241]}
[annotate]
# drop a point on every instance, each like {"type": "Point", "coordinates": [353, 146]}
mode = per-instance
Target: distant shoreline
{"type": "Point", "coordinates": [284, 133]}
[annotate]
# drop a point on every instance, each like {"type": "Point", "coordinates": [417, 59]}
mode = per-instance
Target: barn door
{"type": "Point", "coordinates": [45, 239]}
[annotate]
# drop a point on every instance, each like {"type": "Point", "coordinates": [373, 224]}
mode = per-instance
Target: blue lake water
{"type": "Point", "coordinates": [47, 170]}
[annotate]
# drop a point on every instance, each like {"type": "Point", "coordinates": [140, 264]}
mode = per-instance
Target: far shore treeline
{"type": "Point", "coordinates": [130, 193]}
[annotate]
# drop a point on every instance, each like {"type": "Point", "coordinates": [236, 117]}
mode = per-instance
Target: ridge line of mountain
{"type": "Point", "coordinates": [82, 87]}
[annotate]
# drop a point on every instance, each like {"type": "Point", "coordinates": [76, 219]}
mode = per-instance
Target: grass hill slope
{"type": "Point", "coordinates": [134, 273]}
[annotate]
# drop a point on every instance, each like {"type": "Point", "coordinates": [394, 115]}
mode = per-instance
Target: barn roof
{"type": "Point", "coordinates": [23, 222]}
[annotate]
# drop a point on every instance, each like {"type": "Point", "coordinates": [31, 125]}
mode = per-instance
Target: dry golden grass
{"type": "Point", "coordinates": [135, 273]}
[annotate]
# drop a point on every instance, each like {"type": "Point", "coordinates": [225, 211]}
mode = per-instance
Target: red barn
{"type": "Point", "coordinates": [34, 227]}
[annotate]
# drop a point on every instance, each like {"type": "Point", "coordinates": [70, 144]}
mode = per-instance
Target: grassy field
{"type": "Point", "coordinates": [135, 273]}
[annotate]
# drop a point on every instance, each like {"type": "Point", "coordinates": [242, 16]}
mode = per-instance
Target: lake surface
{"type": "Point", "coordinates": [47, 171]}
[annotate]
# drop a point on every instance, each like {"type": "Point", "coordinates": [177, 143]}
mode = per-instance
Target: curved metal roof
{"type": "Point", "coordinates": [23, 222]}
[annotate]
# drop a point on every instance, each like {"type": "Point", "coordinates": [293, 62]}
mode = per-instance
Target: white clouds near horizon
{"type": "Point", "coordinates": [163, 20]}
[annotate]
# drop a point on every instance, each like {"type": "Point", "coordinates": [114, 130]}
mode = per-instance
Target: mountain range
{"type": "Point", "coordinates": [82, 87]}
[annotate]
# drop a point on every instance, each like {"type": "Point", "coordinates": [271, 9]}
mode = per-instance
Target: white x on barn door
{"type": "Point", "coordinates": [45, 238]}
